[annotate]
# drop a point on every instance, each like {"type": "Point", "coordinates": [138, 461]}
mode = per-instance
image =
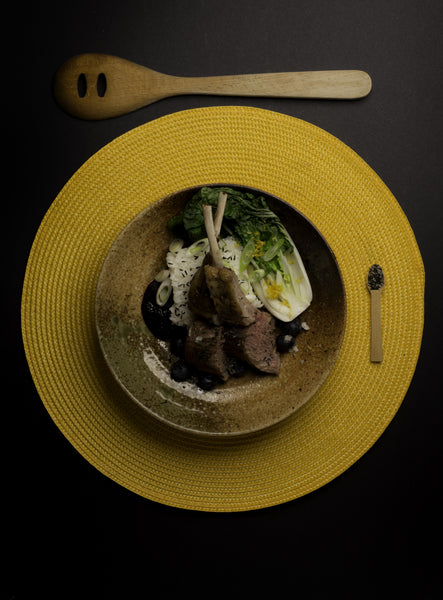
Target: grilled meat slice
{"type": "Point", "coordinates": [230, 302]}
{"type": "Point", "coordinates": [199, 299]}
{"type": "Point", "coordinates": [204, 349]}
{"type": "Point", "coordinates": [215, 292]}
{"type": "Point", "coordinates": [255, 344]}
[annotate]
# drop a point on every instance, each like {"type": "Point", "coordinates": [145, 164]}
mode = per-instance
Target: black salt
{"type": "Point", "coordinates": [376, 278]}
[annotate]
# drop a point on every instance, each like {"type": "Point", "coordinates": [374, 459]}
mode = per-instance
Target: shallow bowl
{"type": "Point", "coordinates": [141, 363]}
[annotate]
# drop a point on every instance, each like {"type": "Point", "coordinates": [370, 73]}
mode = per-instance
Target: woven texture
{"type": "Point", "coordinates": [362, 223]}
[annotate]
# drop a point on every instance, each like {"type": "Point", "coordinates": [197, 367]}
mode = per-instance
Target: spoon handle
{"type": "Point", "coordinates": [99, 86]}
{"type": "Point", "coordinates": [376, 332]}
{"type": "Point", "coordinates": [345, 85]}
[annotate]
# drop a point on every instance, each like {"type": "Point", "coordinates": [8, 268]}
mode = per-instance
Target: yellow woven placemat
{"type": "Point", "coordinates": [359, 218]}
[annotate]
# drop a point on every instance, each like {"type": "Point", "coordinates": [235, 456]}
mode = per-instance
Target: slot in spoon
{"type": "Point", "coordinates": [99, 86]}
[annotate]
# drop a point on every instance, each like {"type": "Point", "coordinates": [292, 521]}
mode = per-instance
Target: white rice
{"type": "Point", "coordinates": [183, 265]}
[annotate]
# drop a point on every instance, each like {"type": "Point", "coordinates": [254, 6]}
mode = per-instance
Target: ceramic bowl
{"type": "Point", "coordinates": [142, 364]}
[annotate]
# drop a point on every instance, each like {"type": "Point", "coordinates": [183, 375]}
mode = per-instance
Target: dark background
{"type": "Point", "coordinates": [373, 532]}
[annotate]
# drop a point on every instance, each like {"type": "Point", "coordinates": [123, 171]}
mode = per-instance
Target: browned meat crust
{"type": "Point", "coordinates": [230, 302]}
{"type": "Point", "coordinates": [199, 298]}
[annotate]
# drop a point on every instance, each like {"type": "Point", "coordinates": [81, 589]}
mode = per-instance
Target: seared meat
{"type": "Point", "coordinates": [199, 299]}
{"type": "Point", "coordinates": [204, 349]}
{"type": "Point", "coordinates": [230, 302]}
{"type": "Point", "coordinates": [233, 326]}
{"type": "Point", "coordinates": [255, 344]}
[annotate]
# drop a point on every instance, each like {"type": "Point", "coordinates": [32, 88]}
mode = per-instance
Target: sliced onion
{"type": "Point", "coordinates": [269, 254]}
{"type": "Point", "coordinates": [198, 246]}
{"type": "Point", "coordinates": [176, 245]}
{"type": "Point", "coordinates": [247, 254]}
{"type": "Point", "coordinates": [258, 274]}
{"type": "Point", "coordinates": [162, 275]}
{"type": "Point", "coordinates": [163, 292]}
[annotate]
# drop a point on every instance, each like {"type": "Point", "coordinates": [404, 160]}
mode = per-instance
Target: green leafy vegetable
{"type": "Point", "coordinates": [269, 258]}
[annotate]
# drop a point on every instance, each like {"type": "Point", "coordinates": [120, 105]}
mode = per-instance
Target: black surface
{"type": "Point", "coordinates": [373, 532]}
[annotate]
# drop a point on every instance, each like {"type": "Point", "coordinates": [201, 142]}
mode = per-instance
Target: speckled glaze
{"type": "Point", "coordinates": [141, 363]}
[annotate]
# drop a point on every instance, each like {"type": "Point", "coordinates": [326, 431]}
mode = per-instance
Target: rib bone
{"type": "Point", "coordinates": [212, 237]}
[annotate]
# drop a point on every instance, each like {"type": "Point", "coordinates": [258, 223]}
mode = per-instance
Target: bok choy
{"type": "Point", "coordinates": [269, 259]}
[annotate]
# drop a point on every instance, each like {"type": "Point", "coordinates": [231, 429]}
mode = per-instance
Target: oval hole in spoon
{"type": "Point", "coordinates": [81, 85]}
{"type": "Point", "coordinates": [101, 85]}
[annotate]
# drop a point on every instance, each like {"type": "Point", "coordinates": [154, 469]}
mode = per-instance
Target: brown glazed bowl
{"type": "Point", "coordinates": [141, 363]}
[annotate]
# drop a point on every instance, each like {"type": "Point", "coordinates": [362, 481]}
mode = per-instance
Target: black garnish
{"type": "Point", "coordinates": [376, 279]}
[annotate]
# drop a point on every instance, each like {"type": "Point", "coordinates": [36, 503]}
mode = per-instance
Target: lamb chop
{"type": "Point", "coordinates": [204, 345]}
{"type": "Point", "coordinates": [230, 302]}
{"type": "Point", "coordinates": [199, 299]}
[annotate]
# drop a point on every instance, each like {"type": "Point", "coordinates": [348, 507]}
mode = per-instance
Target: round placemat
{"type": "Point", "coordinates": [363, 224]}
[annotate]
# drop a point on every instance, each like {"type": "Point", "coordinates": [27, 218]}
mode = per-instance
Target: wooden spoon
{"type": "Point", "coordinates": [98, 86]}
